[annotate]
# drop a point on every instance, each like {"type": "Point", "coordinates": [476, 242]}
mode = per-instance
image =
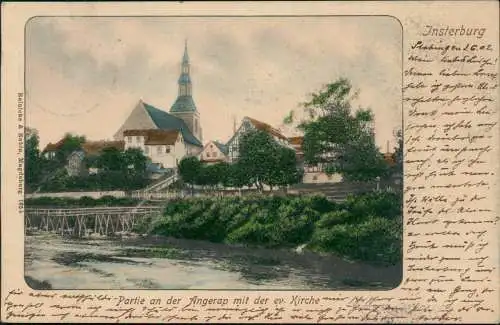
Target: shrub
{"type": "Point", "coordinates": [377, 239]}
{"type": "Point", "coordinates": [377, 203]}
{"type": "Point", "coordinates": [334, 218]}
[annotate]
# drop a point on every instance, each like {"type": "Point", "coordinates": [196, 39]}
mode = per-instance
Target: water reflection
{"type": "Point", "coordinates": [166, 263]}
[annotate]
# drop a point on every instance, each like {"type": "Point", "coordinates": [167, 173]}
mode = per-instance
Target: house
{"type": "Point", "coordinates": [249, 124]}
{"type": "Point", "coordinates": [76, 165]}
{"type": "Point", "coordinates": [312, 173]}
{"type": "Point", "coordinates": [164, 147]}
{"type": "Point", "coordinates": [49, 152]}
{"type": "Point", "coordinates": [183, 116]}
{"type": "Point", "coordinates": [214, 152]}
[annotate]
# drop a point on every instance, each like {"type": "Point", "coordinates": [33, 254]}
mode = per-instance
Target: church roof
{"type": "Point", "coordinates": [183, 104]}
{"type": "Point", "coordinates": [155, 136]}
{"type": "Point", "coordinates": [184, 78]}
{"type": "Point", "coordinates": [222, 147]}
{"type": "Point", "coordinates": [166, 121]}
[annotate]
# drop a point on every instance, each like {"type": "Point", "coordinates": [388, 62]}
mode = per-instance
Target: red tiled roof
{"type": "Point", "coordinates": [266, 128]}
{"type": "Point", "coordinates": [389, 158]}
{"type": "Point", "coordinates": [53, 146]}
{"type": "Point", "coordinates": [155, 136]}
{"type": "Point", "coordinates": [94, 147]}
{"type": "Point", "coordinates": [296, 141]}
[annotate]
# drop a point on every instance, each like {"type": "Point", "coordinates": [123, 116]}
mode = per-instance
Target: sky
{"type": "Point", "coordinates": [85, 75]}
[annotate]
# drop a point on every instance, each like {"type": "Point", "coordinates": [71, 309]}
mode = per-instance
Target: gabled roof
{"type": "Point", "coordinates": [155, 136]}
{"type": "Point", "coordinates": [53, 146]}
{"type": "Point", "coordinates": [166, 121]}
{"type": "Point", "coordinates": [222, 147]}
{"type": "Point", "coordinates": [95, 147]}
{"type": "Point", "coordinates": [262, 126]}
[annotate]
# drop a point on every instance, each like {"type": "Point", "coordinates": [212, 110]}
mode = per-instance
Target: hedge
{"type": "Point", "coordinates": [366, 227]}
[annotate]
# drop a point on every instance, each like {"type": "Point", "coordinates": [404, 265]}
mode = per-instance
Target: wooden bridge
{"type": "Point", "coordinates": [82, 222]}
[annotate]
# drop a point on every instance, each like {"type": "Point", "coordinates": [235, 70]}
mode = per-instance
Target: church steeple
{"type": "Point", "coordinates": [185, 86]}
{"type": "Point", "coordinates": [184, 102]}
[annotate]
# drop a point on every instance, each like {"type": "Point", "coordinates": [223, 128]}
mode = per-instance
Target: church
{"type": "Point", "coordinates": [166, 137]}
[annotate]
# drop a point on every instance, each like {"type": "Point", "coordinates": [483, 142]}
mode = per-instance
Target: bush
{"type": "Point", "coordinates": [375, 240]}
{"type": "Point", "coordinates": [377, 203]}
{"type": "Point", "coordinates": [85, 201]}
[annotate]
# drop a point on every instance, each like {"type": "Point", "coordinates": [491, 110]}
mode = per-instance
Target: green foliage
{"type": "Point", "coordinates": [339, 137]}
{"type": "Point", "coordinates": [33, 160]}
{"type": "Point", "coordinates": [70, 144]}
{"type": "Point", "coordinates": [385, 204]}
{"type": "Point", "coordinates": [85, 201]}
{"type": "Point", "coordinates": [375, 239]}
{"type": "Point", "coordinates": [366, 227]}
{"type": "Point", "coordinates": [267, 162]}
{"type": "Point", "coordinates": [189, 169]}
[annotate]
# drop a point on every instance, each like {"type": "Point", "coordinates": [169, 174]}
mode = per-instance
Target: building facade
{"type": "Point", "coordinates": [183, 119]}
{"type": "Point", "coordinates": [214, 152]}
{"type": "Point", "coordinates": [249, 124]}
{"type": "Point", "coordinates": [164, 147]}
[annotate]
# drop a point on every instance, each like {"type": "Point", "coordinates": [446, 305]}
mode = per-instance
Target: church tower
{"type": "Point", "coordinates": [184, 106]}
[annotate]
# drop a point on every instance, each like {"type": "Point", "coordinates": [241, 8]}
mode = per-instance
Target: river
{"type": "Point", "coordinates": [55, 262]}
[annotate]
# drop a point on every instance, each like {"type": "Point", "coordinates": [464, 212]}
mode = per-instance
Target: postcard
{"type": "Point", "coordinates": [332, 162]}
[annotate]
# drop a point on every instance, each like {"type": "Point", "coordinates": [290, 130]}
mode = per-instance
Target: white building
{"type": "Point", "coordinates": [182, 117]}
{"type": "Point", "coordinates": [164, 147]}
{"type": "Point", "coordinates": [214, 152]}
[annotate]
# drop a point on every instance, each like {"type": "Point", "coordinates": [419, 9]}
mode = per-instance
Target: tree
{"type": "Point", "coordinates": [256, 150]}
{"type": "Point", "coordinates": [136, 159]}
{"type": "Point", "coordinates": [398, 153]}
{"type": "Point", "coordinates": [111, 159]}
{"type": "Point", "coordinates": [265, 161]}
{"type": "Point", "coordinates": [33, 160]}
{"type": "Point", "coordinates": [189, 170]}
{"type": "Point", "coordinates": [69, 145]}
{"type": "Point", "coordinates": [285, 171]}
{"type": "Point", "coordinates": [340, 138]}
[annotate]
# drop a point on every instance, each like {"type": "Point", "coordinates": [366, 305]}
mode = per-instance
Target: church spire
{"type": "Point", "coordinates": [185, 86]}
{"type": "Point", "coordinates": [184, 102]}
{"type": "Point", "coordinates": [185, 58]}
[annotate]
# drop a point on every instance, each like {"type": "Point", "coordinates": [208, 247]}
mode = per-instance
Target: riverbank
{"type": "Point", "coordinates": [156, 262]}
{"type": "Point", "coordinates": [365, 227]}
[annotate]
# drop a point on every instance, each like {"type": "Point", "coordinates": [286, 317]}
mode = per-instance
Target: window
{"type": "Point", "coordinates": [214, 153]}
{"type": "Point", "coordinates": [146, 149]}
{"type": "Point", "coordinates": [167, 149]}
{"type": "Point", "coordinates": [208, 154]}
{"type": "Point", "coordinates": [158, 149]}
{"type": "Point", "coordinates": [129, 139]}
{"type": "Point", "coordinates": [137, 139]}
